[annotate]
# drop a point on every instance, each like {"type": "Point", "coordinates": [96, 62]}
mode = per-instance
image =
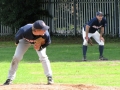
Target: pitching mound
{"type": "Point", "coordinates": [55, 87]}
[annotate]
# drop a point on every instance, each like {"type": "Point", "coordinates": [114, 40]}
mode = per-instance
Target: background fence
{"type": "Point", "coordinates": [69, 16]}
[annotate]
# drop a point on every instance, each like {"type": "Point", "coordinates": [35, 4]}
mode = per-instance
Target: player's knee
{"type": "Point", "coordinates": [85, 43]}
{"type": "Point", "coordinates": [43, 58]}
{"type": "Point", "coordinates": [101, 43]}
{"type": "Point", "coordinates": [17, 58]}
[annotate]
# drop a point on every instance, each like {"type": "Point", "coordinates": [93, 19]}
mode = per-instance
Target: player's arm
{"type": "Point", "coordinates": [18, 36]}
{"type": "Point", "coordinates": [101, 31]}
{"type": "Point", "coordinates": [47, 40]}
{"type": "Point", "coordinates": [89, 24]}
{"type": "Point", "coordinates": [42, 42]}
{"type": "Point", "coordinates": [87, 31]}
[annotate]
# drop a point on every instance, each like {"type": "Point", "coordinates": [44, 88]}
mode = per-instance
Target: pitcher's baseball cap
{"type": "Point", "coordinates": [99, 13]}
{"type": "Point", "coordinates": [40, 24]}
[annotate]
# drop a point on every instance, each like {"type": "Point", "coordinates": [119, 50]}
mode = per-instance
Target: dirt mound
{"type": "Point", "coordinates": [55, 87]}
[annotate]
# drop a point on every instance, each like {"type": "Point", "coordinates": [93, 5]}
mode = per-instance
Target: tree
{"type": "Point", "coordinates": [16, 13]}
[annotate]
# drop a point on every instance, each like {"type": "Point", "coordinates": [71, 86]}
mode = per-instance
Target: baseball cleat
{"type": "Point", "coordinates": [50, 80]}
{"type": "Point", "coordinates": [8, 81]}
{"type": "Point", "coordinates": [102, 58]}
{"type": "Point", "coordinates": [84, 58]}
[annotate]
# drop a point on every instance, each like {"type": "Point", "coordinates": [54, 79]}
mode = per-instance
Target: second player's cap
{"type": "Point", "coordinates": [99, 13]}
{"type": "Point", "coordinates": [40, 24]}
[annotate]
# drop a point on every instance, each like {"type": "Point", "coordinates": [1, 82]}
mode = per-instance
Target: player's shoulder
{"type": "Point", "coordinates": [94, 19]}
{"type": "Point", "coordinates": [27, 26]}
{"type": "Point", "coordinates": [47, 33]}
{"type": "Point", "coordinates": [104, 19]}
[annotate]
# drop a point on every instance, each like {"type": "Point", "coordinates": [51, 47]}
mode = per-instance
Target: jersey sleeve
{"type": "Point", "coordinates": [19, 35]}
{"type": "Point", "coordinates": [47, 39]}
{"type": "Point", "coordinates": [105, 22]}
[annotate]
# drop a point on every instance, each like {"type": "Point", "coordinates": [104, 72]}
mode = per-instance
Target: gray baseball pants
{"type": "Point", "coordinates": [21, 48]}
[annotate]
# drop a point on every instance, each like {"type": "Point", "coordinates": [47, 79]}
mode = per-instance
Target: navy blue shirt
{"type": "Point", "coordinates": [26, 33]}
{"type": "Point", "coordinates": [95, 24]}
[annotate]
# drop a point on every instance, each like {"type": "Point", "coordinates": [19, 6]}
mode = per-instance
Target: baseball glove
{"type": "Point", "coordinates": [90, 41]}
{"type": "Point", "coordinates": [38, 43]}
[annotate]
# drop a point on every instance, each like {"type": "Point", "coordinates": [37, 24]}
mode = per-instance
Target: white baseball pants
{"type": "Point", "coordinates": [95, 35]}
{"type": "Point", "coordinates": [21, 48]}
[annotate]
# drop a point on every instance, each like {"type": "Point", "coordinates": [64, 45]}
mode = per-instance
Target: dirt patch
{"type": "Point", "coordinates": [55, 87]}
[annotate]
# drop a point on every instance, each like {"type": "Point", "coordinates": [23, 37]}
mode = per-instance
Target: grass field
{"type": "Point", "coordinates": [66, 64]}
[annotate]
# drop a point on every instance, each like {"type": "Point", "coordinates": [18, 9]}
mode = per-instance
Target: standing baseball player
{"type": "Point", "coordinates": [91, 30]}
{"type": "Point", "coordinates": [25, 37]}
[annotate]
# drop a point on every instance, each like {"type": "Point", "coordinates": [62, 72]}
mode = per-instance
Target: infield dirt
{"type": "Point", "coordinates": [55, 87]}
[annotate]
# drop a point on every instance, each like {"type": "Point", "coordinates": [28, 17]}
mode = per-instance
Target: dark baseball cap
{"type": "Point", "coordinates": [40, 24]}
{"type": "Point", "coordinates": [99, 13]}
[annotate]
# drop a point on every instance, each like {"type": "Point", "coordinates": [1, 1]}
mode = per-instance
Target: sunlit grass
{"type": "Point", "coordinates": [97, 73]}
{"type": "Point", "coordinates": [67, 65]}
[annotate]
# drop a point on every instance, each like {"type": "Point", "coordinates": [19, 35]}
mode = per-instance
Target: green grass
{"type": "Point", "coordinates": [66, 65]}
{"type": "Point", "coordinates": [96, 73]}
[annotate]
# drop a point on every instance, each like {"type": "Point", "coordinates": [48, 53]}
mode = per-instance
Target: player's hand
{"type": "Point", "coordinates": [38, 43]}
{"type": "Point", "coordinates": [86, 38]}
{"type": "Point", "coordinates": [101, 38]}
{"type": "Point", "coordinates": [37, 46]}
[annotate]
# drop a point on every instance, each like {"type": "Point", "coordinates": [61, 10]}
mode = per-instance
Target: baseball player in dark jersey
{"type": "Point", "coordinates": [24, 38]}
{"type": "Point", "coordinates": [91, 30]}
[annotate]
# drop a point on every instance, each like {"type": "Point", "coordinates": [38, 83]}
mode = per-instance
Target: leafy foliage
{"type": "Point", "coordinates": [16, 13]}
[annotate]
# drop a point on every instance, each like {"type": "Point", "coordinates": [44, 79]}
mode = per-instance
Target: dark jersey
{"type": "Point", "coordinates": [95, 24]}
{"type": "Point", "coordinates": [26, 33]}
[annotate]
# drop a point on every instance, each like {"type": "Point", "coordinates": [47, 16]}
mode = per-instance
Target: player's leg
{"type": "Point", "coordinates": [96, 36]}
{"type": "Point", "coordinates": [21, 48]}
{"type": "Point", "coordinates": [85, 43]}
{"type": "Point", "coordinates": [46, 64]}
